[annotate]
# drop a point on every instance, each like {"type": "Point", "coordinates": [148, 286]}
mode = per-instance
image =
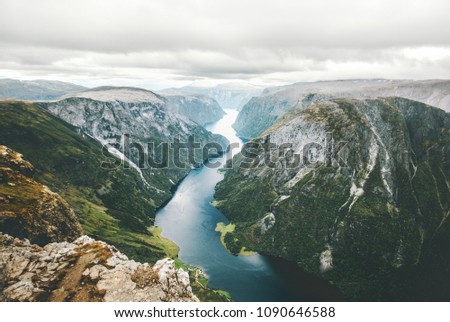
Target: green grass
{"type": "Point", "coordinates": [111, 205]}
{"type": "Point", "coordinates": [224, 294]}
{"type": "Point", "coordinates": [203, 281]}
{"type": "Point", "coordinates": [229, 240]}
{"type": "Point", "coordinates": [223, 230]}
{"type": "Point", "coordinates": [199, 284]}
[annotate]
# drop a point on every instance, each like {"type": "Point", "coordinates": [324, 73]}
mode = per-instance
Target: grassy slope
{"type": "Point", "coordinates": [111, 205]}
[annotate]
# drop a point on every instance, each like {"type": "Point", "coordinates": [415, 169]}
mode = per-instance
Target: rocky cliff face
{"type": "Point", "coordinates": [36, 89]}
{"type": "Point", "coordinates": [29, 209]}
{"type": "Point", "coordinates": [108, 114]}
{"type": "Point", "coordinates": [201, 109]}
{"type": "Point", "coordinates": [371, 218]}
{"type": "Point", "coordinates": [261, 112]}
{"type": "Point", "coordinates": [85, 270]}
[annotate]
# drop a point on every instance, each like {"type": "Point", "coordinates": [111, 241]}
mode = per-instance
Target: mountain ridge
{"type": "Point", "coordinates": [36, 89]}
{"type": "Point", "coordinates": [261, 112]}
{"type": "Point", "coordinates": [371, 225]}
{"type": "Point", "coordinates": [198, 108]}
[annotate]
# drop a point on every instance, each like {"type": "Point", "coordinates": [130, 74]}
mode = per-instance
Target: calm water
{"type": "Point", "coordinates": [189, 220]}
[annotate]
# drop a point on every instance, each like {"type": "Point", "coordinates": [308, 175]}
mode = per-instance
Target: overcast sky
{"type": "Point", "coordinates": [157, 44]}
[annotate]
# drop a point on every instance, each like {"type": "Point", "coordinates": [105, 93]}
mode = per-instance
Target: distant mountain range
{"type": "Point", "coordinates": [262, 111]}
{"type": "Point", "coordinates": [35, 90]}
{"type": "Point", "coordinates": [198, 108]}
{"type": "Point", "coordinates": [228, 95]}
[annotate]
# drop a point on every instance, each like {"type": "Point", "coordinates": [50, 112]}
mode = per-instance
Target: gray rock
{"type": "Point", "coordinates": [26, 269]}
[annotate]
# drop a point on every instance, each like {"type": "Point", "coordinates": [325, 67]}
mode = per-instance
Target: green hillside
{"type": "Point", "coordinates": [111, 205]}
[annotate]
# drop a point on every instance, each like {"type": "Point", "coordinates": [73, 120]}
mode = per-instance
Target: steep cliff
{"type": "Point", "coordinates": [201, 109]}
{"type": "Point", "coordinates": [61, 265]}
{"type": "Point", "coordinates": [261, 112]}
{"type": "Point", "coordinates": [370, 214]}
{"type": "Point", "coordinates": [144, 118]}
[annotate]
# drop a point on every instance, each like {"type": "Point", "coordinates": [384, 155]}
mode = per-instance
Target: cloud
{"type": "Point", "coordinates": [264, 41]}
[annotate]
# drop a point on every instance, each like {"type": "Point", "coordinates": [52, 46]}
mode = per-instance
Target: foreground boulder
{"type": "Point", "coordinates": [85, 270]}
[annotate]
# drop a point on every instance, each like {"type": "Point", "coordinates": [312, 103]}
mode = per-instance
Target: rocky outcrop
{"type": "Point", "coordinates": [58, 264]}
{"type": "Point", "coordinates": [85, 270]}
{"type": "Point", "coordinates": [31, 210]}
{"type": "Point", "coordinates": [361, 196]}
{"type": "Point", "coordinates": [261, 112]}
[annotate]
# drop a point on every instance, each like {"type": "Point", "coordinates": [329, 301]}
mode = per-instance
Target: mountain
{"type": "Point", "coordinates": [228, 95]}
{"type": "Point", "coordinates": [261, 112]}
{"type": "Point", "coordinates": [45, 257]}
{"type": "Point", "coordinates": [36, 89]}
{"type": "Point", "coordinates": [112, 204]}
{"type": "Point", "coordinates": [198, 108]}
{"type": "Point", "coordinates": [114, 201]}
{"type": "Point", "coordinates": [111, 115]}
{"type": "Point", "coordinates": [66, 266]}
{"type": "Point", "coordinates": [354, 190]}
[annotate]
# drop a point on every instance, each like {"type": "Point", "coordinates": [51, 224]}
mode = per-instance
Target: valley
{"type": "Point", "coordinates": [190, 220]}
{"type": "Point", "coordinates": [334, 190]}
